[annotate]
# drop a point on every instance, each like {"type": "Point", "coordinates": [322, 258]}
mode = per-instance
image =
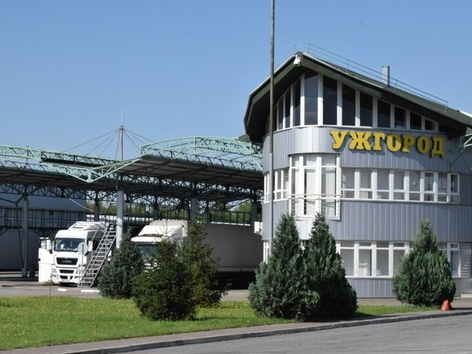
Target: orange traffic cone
{"type": "Point", "coordinates": [446, 306]}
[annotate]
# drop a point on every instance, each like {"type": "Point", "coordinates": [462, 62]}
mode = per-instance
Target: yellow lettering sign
{"type": "Point", "coordinates": [365, 140]}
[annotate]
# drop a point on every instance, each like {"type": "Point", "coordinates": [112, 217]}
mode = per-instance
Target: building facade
{"type": "Point", "coordinates": [374, 158]}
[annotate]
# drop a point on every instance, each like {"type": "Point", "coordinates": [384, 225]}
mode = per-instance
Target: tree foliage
{"type": "Point", "coordinates": [326, 274]}
{"type": "Point", "coordinates": [424, 277]}
{"type": "Point", "coordinates": [164, 291]}
{"type": "Point", "coordinates": [204, 268]}
{"type": "Point", "coordinates": [117, 277]}
{"type": "Point", "coordinates": [280, 288]}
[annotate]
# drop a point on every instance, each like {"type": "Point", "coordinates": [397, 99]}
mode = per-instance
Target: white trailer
{"type": "Point", "coordinates": [65, 261]}
{"type": "Point", "coordinates": [238, 248]}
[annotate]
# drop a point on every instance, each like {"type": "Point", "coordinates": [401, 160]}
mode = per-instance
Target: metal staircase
{"type": "Point", "coordinates": [98, 259]}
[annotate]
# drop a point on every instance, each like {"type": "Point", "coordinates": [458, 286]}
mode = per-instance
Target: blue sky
{"type": "Point", "coordinates": [72, 71]}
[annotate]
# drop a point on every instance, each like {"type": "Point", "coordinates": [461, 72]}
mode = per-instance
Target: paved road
{"type": "Point", "coordinates": [438, 335]}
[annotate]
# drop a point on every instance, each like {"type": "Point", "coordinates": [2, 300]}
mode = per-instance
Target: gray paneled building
{"type": "Point", "coordinates": [375, 156]}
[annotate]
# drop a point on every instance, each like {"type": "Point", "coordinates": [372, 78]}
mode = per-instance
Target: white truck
{"type": "Point", "coordinates": [238, 248]}
{"type": "Point", "coordinates": [64, 261]}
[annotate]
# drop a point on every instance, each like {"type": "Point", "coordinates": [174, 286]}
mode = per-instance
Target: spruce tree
{"type": "Point", "coordinates": [206, 290]}
{"type": "Point", "coordinates": [164, 291]}
{"type": "Point", "coordinates": [326, 274]}
{"type": "Point", "coordinates": [424, 277]}
{"type": "Point", "coordinates": [117, 277]}
{"type": "Point", "coordinates": [280, 288]}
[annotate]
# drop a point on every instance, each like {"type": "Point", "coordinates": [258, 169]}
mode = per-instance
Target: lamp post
{"type": "Point", "coordinates": [271, 127]}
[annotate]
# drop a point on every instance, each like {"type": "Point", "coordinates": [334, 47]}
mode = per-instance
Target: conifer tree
{"type": "Point", "coordinates": [206, 290]}
{"type": "Point", "coordinates": [117, 277]}
{"type": "Point", "coordinates": [280, 288]}
{"type": "Point", "coordinates": [326, 274]}
{"type": "Point", "coordinates": [164, 291]}
{"type": "Point", "coordinates": [424, 277]}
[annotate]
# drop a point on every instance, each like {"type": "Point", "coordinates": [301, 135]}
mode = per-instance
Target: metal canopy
{"type": "Point", "coordinates": [212, 169]}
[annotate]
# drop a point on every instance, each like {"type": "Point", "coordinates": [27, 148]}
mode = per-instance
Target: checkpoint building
{"type": "Point", "coordinates": [375, 156]}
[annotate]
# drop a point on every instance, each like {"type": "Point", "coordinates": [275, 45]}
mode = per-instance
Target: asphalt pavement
{"type": "Point", "coordinates": [13, 283]}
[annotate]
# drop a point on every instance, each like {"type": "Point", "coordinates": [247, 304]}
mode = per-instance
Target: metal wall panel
{"type": "Point", "coordinates": [385, 221]}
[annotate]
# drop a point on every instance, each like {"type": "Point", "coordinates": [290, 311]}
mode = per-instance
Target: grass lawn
{"type": "Point", "coordinates": [42, 321]}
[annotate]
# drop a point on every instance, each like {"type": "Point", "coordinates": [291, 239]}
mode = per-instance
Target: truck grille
{"type": "Point", "coordinates": [67, 261]}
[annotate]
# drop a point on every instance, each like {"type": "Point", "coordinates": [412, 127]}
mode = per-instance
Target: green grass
{"type": "Point", "coordinates": [42, 321]}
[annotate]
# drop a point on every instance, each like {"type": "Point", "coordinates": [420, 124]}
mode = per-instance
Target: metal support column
{"type": "Point", "coordinates": [119, 217]}
{"type": "Point", "coordinates": [24, 238]}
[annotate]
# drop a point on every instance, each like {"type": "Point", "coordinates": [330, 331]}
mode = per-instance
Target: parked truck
{"type": "Point", "coordinates": [71, 252]}
{"type": "Point", "coordinates": [237, 247]}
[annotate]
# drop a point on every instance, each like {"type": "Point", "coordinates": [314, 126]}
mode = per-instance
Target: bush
{"type": "Point", "coordinates": [164, 291]}
{"type": "Point", "coordinates": [326, 275]}
{"type": "Point", "coordinates": [204, 268]}
{"type": "Point", "coordinates": [280, 288]}
{"type": "Point", "coordinates": [117, 277]}
{"type": "Point", "coordinates": [424, 277]}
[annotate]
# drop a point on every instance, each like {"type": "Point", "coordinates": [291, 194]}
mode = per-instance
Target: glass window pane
{"type": "Point", "coordinates": [397, 256]}
{"type": "Point", "coordinates": [366, 110]}
{"type": "Point", "coordinates": [429, 124]}
{"type": "Point", "coordinates": [311, 99]}
{"type": "Point", "coordinates": [348, 178]}
{"type": "Point", "coordinates": [365, 263]}
{"type": "Point", "coordinates": [383, 114]}
{"type": "Point", "coordinates": [296, 104]}
{"type": "Point", "coordinates": [415, 121]}
{"type": "Point", "coordinates": [366, 179]}
{"type": "Point", "coordinates": [349, 105]}
{"type": "Point", "coordinates": [399, 117]}
{"type": "Point", "coordinates": [382, 262]}
{"type": "Point", "coordinates": [287, 109]}
{"type": "Point", "coordinates": [280, 114]}
{"type": "Point", "coordinates": [348, 261]}
{"type": "Point", "coordinates": [330, 99]}
{"type": "Point", "coordinates": [415, 179]}
{"type": "Point", "coordinates": [428, 181]}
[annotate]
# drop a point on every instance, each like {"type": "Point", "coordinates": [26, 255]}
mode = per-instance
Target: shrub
{"type": "Point", "coordinates": [424, 277]}
{"type": "Point", "coordinates": [117, 277]}
{"type": "Point", "coordinates": [204, 268]}
{"type": "Point", "coordinates": [164, 291]}
{"type": "Point", "coordinates": [280, 288]}
{"type": "Point", "coordinates": [326, 275]}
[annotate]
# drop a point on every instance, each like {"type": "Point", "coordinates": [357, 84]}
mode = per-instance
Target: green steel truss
{"type": "Point", "coordinates": [96, 172]}
{"type": "Point", "coordinates": [231, 153]}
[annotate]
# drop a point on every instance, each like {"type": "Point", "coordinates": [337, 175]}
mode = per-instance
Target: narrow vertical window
{"type": "Point", "coordinates": [383, 114]}
{"type": "Point", "coordinates": [349, 105]}
{"type": "Point", "coordinates": [348, 183]}
{"type": "Point", "coordinates": [399, 117]}
{"type": "Point", "coordinates": [366, 110]}
{"type": "Point", "coordinates": [287, 104]}
{"type": "Point", "coordinates": [330, 99]}
{"type": "Point", "coordinates": [311, 99]}
{"type": "Point", "coordinates": [280, 114]}
{"type": "Point", "coordinates": [296, 104]}
{"type": "Point", "coordinates": [415, 121]}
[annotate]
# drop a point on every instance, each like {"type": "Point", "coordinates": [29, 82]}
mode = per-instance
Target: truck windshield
{"type": "Point", "coordinates": [67, 244]}
{"type": "Point", "coordinates": [147, 249]}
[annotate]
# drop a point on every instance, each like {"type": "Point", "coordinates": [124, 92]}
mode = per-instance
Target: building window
{"type": "Point", "coordinates": [371, 259]}
{"type": "Point", "coordinates": [330, 99]}
{"type": "Point", "coordinates": [311, 98]}
{"type": "Point", "coordinates": [314, 95]}
{"type": "Point", "coordinates": [452, 251]}
{"type": "Point", "coordinates": [384, 184]}
{"type": "Point", "coordinates": [366, 109]}
{"type": "Point", "coordinates": [383, 114]}
{"type": "Point", "coordinates": [280, 184]}
{"type": "Point", "coordinates": [349, 105]}
{"type": "Point", "coordinates": [314, 180]}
